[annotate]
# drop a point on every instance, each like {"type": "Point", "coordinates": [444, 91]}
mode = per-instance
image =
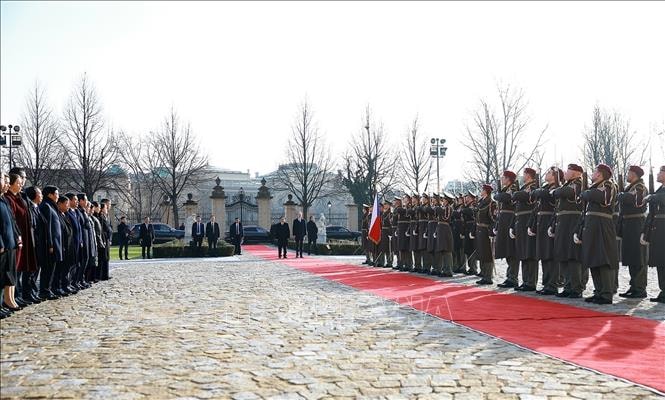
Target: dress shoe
{"type": "Point", "coordinates": [657, 300]}
{"type": "Point", "coordinates": [279, 256]}
{"type": "Point", "coordinates": [61, 292]}
{"type": "Point", "coordinates": [285, 256]}
{"type": "Point", "coordinates": [506, 284]}
{"type": "Point", "coordinates": [10, 308]}
{"type": "Point", "coordinates": [563, 294]}
{"type": "Point", "coordinates": [575, 295]}
{"type": "Point", "coordinates": [600, 300]}
{"type": "Point", "coordinates": [591, 299]}
{"type": "Point", "coordinates": [546, 292]}
{"type": "Point", "coordinates": [528, 289]}
{"type": "Point", "coordinates": [446, 275]}
{"type": "Point", "coordinates": [36, 299]}
{"type": "Point", "coordinates": [626, 295]}
{"type": "Point", "coordinates": [637, 295]}
{"type": "Point", "coordinates": [469, 272]}
{"type": "Point", "coordinates": [484, 282]}
{"type": "Point", "coordinates": [20, 302]}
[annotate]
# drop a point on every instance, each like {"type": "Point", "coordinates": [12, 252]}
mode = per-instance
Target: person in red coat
{"type": "Point", "coordinates": [26, 261]}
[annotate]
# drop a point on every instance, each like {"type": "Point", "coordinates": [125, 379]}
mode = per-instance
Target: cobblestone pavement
{"type": "Point", "coordinates": [247, 329]}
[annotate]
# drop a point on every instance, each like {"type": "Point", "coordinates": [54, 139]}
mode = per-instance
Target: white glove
{"type": "Point", "coordinates": [511, 233]}
{"type": "Point", "coordinates": [424, 236]}
{"type": "Point", "coordinates": [550, 232]}
{"type": "Point", "coordinates": [643, 241]}
{"type": "Point", "coordinates": [434, 236]}
{"type": "Point", "coordinates": [647, 197]}
{"type": "Point", "coordinates": [414, 232]}
{"type": "Point", "coordinates": [530, 232]}
{"type": "Point", "coordinates": [576, 239]}
{"type": "Point", "coordinates": [495, 232]}
{"type": "Point", "coordinates": [407, 234]}
{"type": "Point", "coordinates": [461, 236]}
{"type": "Point", "coordinates": [471, 236]}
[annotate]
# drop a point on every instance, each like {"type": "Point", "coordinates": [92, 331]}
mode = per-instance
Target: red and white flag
{"type": "Point", "coordinates": [375, 224]}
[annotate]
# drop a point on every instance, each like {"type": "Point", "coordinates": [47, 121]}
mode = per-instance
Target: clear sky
{"type": "Point", "coordinates": [237, 71]}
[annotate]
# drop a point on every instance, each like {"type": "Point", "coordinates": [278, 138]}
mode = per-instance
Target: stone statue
{"type": "Point", "coordinates": [321, 237]}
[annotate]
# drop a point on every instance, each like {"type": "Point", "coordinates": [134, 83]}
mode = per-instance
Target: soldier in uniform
{"type": "Point", "coordinates": [631, 222]}
{"type": "Point", "coordinates": [403, 233]}
{"type": "Point", "coordinates": [394, 244]}
{"type": "Point", "coordinates": [484, 222]}
{"type": "Point", "coordinates": [539, 226]}
{"type": "Point", "coordinates": [525, 245]}
{"type": "Point", "coordinates": [421, 244]}
{"type": "Point", "coordinates": [457, 226]}
{"type": "Point", "coordinates": [444, 237]}
{"type": "Point", "coordinates": [597, 235]}
{"type": "Point", "coordinates": [654, 233]}
{"type": "Point", "coordinates": [365, 231]}
{"type": "Point", "coordinates": [429, 233]}
{"type": "Point", "coordinates": [504, 246]}
{"type": "Point", "coordinates": [468, 216]}
{"type": "Point", "coordinates": [562, 228]}
{"type": "Point", "coordinates": [414, 242]}
{"type": "Point", "coordinates": [385, 257]}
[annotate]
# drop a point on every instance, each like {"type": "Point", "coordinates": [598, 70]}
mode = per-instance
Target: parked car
{"type": "Point", "coordinates": [253, 234]}
{"type": "Point", "coordinates": [163, 233]}
{"type": "Point", "coordinates": [341, 233]}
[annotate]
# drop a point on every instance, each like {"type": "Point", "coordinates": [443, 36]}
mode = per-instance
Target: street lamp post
{"type": "Point", "coordinates": [329, 212]}
{"type": "Point", "coordinates": [241, 196]}
{"type": "Point", "coordinates": [14, 141]}
{"type": "Point", "coordinates": [439, 151]}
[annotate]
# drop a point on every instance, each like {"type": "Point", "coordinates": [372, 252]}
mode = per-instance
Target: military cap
{"type": "Point", "coordinates": [575, 167]}
{"type": "Point", "coordinates": [530, 171]}
{"type": "Point", "coordinates": [388, 202]}
{"type": "Point", "coordinates": [662, 169]}
{"type": "Point", "coordinates": [604, 167]}
{"type": "Point", "coordinates": [448, 195]}
{"type": "Point", "coordinates": [366, 206]}
{"type": "Point", "coordinates": [407, 195]}
{"type": "Point", "coordinates": [471, 193]}
{"type": "Point", "coordinates": [425, 195]}
{"type": "Point", "coordinates": [397, 198]}
{"type": "Point", "coordinates": [487, 188]}
{"type": "Point", "coordinates": [510, 175]}
{"type": "Point", "coordinates": [637, 170]}
{"type": "Point", "coordinates": [558, 172]}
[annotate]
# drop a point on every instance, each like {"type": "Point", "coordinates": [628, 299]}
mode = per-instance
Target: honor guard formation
{"type": "Point", "coordinates": [573, 229]}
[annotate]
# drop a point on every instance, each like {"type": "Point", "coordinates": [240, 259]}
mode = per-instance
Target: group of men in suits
{"type": "Point", "coordinates": [51, 245]}
{"type": "Point", "coordinates": [571, 230]}
{"type": "Point", "coordinates": [210, 231]}
{"type": "Point", "coordinates": [301, 229]}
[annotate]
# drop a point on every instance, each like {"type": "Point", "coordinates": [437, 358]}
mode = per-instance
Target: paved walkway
{"type": "Point", "coordinates": [244, 328]}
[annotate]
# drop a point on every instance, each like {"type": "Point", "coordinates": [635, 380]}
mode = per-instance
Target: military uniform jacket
{"type": "Point", "coordinates": [504, 246]}
{"type": "Point", "coordinates": [540, 222]}
{"type": "Point", "coordinates": [632, 208]}
{"type": "Point", "coordinates": [564, 222]}
{"type": "Point", "coordinates": [484, 224]}
{"type": "Point", "coordinates": [457, 226]}
{"type": "Point", "coordinates": [431, 227]}
{"type": "Point", "coordinates": [413, 228]}
{"type": "Point", "coordinates": [386, 232]}
{"type": "Point", "coordinates": [402, 221]}
{"type": "Point", "coordinates": [444, 233]}
{"type": "Point", "coordinates": [468, 216]}
{"type": "Point", "coordinates": [525, 245]}
{"type": "Point", "coordinates": [422, 227]}
{"type": "Point", "coordinates": [598, 233]}
{"type": "Point", "coordinates": [654, 228]}
{"type": "Point", "coordinates": [365, 230]}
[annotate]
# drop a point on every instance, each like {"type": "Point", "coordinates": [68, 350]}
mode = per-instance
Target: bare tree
{"type": "Point", "coordinates": [142, 195]}
{"type": "Point", "coordinates": [497, 139]}
{"type": "Point", "coordinates": [309, 166]}
{"type": "Point", "coordinates": [90, 147]}
{"type": "Point", "coordinates": [416, 163]}
{"type": "Point", "coordinates": [610, 140]}
{"type": "Point", "coordinates": [370, 164]}
{"type": "Point", "coordinates": [176, 159]}
{"type": "Point", "coordinates": [41, 153]}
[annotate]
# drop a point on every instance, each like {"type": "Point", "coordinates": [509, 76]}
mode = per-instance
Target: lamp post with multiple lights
{"type": "Point", "coordinates": [14, 141]}
{"type": "Point", "coordinates": [439, 151]}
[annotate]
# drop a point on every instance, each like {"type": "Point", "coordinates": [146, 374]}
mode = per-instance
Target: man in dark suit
{"type": "Point", "coordinates": [198, 231]}
{"type": "Point", "coordinates": [212, 233]}
{"type": "Point", "coordinates": [236, 233]}
{"type": "Point", "coordinates": [282, 234]}
{"type": "Point", "coordinates": [107, 233]}
{"type": "Point", "coordinates": [123, 237]}
{"type": "Point", "coordinates": [53, 239]}
{"type": "Point", "coordinates": [62, 279]}
{"type": "Point", "coordinates": [147, 236]}
{"type": "Point", "coordinates": [312, 234]}
{"type": "Point", "coordinates": [299, 232]}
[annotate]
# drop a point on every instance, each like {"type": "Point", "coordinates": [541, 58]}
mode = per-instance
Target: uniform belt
{"type": "Point", "coordinates": [443, 222]}
{"type": "Point", "coordinates": [387, 228]}
{"type": "Point", "coordinates": [482, 225]}
{"type": "Point", "coordinates": [423, 220]}
{"type": "Point", "coordinates": [507, 211]}
{"type": "Point", "coordinates": [402, 222]}
{"type": "Point", "coordinates": [629, 216]}
{"type": "Point", "coordinates": [659, 216]}
{"type": "Point", "coordinates": [517, 214]}
{"type": "Point", "coordinates": [570, 212]}
{"type": "Point", "coordinates": [599, 214]}
{"type": "Point", "coordinates": [545, 212]}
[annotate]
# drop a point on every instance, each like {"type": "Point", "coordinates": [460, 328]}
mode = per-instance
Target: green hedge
{"type": "Point", "coordinates": [177, 249]}
{"type": "Point", "coordinates": [335, 248]}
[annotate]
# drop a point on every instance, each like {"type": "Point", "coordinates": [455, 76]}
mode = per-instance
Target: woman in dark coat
{"type": "Point", "coordinates": [312, 234]}
{"type": "Point", "coordinates": [9, 243]}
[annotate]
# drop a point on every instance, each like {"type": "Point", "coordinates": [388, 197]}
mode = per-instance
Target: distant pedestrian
{"type": "Point", "coordinates": [299, 232]}
{"type": "Point", "coordinates": [237, 234]}
{"type": "Point", "coordinates": [123, 237]}
{"type": "Point", "coordinates": [312, 234]}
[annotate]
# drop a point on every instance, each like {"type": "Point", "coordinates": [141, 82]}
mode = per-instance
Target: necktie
{"type": "Point", "coordinates": [237, 229]}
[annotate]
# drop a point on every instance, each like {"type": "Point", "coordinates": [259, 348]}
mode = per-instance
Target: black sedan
{"type": "Point", "coordinates": [163, 233]}
{"type": "Point", "coordinates": [341, 233]}
{"type": "Point", "coordinates": [253, 234]}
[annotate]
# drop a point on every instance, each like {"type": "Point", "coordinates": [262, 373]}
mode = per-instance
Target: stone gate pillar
{"type": "Point", "coordinates": [263, 202]}
{"type": "Point", "coordinates": [218, 200]}
{"type": "Point", "coordinates": [352, 217]}
{"type": "Point", "coordinates": [191, 208]}
{"type": "Point", "coordinates": [290, 210]}
{"type": "Point", "coordinates": [166, 211]}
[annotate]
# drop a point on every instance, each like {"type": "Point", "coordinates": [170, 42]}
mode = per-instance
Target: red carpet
{"type": "Point", "coordinates": [626, 347]}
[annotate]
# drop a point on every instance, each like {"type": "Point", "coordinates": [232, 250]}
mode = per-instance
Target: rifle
{"type": "Point", "coordinates": [649, 222]}
{"type": "Point", "coordinates": [620, 219]}
{"type": "Point", "coordinates": [652, 189]}
{"type": "Point", "coordinates": [585, 187]}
